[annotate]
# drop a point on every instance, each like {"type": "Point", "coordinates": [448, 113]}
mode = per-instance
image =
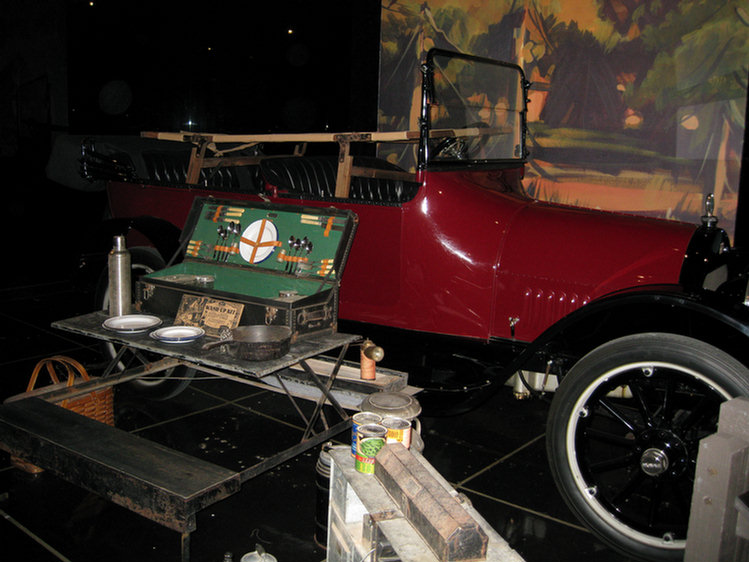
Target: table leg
{"type": "Point", "coordinates": [185, 547]}
{"type": "Point", "coordinates": [325, 390]}
{"type": "Point", "coordinates": [114, 361]}
{"type": "Point", "coordinates": [291, 398]}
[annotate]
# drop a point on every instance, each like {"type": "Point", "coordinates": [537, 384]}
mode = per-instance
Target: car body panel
{"type": "Point", "coordinates": [557, 259]}
{"type": "Point", "coordinates": [469, 256]}
{"type": "Point", "coordinates": [169, 203]}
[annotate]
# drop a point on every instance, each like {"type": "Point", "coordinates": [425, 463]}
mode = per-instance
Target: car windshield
{"type": "Point", "coordinates": [476, 109]}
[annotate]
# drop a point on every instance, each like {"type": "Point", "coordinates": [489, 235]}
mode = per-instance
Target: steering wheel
{"type": "Point", "coordinates": [459, 148]}
{"type": "Point", "coordinates": [451, 148]}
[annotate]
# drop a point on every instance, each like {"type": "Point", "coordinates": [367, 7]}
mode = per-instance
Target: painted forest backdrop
{"type": "Point", "coordinates": [635, 106]}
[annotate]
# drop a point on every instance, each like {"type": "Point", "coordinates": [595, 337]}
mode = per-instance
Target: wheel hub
{"type": "Point", "coordinates": [654, 462]}
{"type": "Point", "coordinates": [663, 453]}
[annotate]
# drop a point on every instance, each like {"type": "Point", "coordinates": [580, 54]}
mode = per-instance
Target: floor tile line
{"type": "Point", "coordinates": [178, 418]}
{"type": "Point", "coordinates": [526, 509]}
{"type": "Point", "coordinates": [236, 402]}
{"type": "Point", "coordinates": [462, 442]}
{"type": "Point", "coordinates": [501, 459]}
{"type": "Point", "coordinates": [224, 402]}
{"type": "Point", "coordinates": [269, 417]}
{"type": "Point", "coordinates": [256, 392]}
{"type": "Point", "coordinates": [10, 519]}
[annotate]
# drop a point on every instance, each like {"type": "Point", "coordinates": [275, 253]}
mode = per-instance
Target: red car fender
{"type": "Point", "coordinates": [557, 259]}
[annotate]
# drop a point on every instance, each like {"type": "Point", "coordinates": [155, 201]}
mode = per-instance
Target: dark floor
{"type": "Point", "coordinates": [495, 454]}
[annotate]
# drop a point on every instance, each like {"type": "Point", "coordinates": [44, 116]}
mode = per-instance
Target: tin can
{"type": "Point", "coordinates": [399, 431]}
{"type": "Point", "coordinates": [370, 439]}
{"type": "Point", "coordinates": [362, 418]}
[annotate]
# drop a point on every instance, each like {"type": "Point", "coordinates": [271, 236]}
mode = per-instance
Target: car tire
{"type": "Point", "coordinates": [623, 435]}
{"type": "Point", "coordinates": [161, 386]}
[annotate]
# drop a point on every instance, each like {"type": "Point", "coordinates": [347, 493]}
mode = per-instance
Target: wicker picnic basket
{"type": "Point", "coordinates": [97, 404]}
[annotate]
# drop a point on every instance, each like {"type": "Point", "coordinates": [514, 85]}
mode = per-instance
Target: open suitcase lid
{"type": "Point", "coordinates": [289, 240]}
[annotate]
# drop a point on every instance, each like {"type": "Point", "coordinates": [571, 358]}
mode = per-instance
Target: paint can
{"type": "Point", "coordinates": [370, 439]}
{"type": "Point", "coordinates": [398, 431]}
{"type": "Point", "coordinates": [362, 418]}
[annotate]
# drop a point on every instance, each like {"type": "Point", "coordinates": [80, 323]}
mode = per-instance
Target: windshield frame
{"type": "Point", "coordinates": [429, 101]}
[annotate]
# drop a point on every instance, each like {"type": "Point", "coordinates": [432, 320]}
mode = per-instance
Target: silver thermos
{"type": "Point", "coordinates": [120, 290]}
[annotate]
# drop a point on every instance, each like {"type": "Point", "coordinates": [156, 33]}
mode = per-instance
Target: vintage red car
{"type": "Point", "coordinates": [467, 282]}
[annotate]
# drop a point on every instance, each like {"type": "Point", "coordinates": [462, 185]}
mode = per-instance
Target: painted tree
{"type": "Point", "coordinates": [696, 87]}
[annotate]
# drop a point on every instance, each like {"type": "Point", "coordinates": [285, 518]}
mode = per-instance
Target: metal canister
{"type": "Point", "coordinates": [370, 439]}
{"type": "Point", "coordinates": [362, 418]}
{"type": "Point", "coordinates": [120, 296]}
{"type": "Point", "coordinates": [398, 431]}
{"type": "Point", "coordinates": [322, 503]}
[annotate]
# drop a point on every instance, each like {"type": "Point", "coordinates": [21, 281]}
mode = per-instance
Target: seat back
{"type": "Point", "coordinates": [315, 176]}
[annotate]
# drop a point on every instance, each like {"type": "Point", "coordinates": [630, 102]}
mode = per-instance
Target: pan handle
{"type": "Point", "coordinates": [211, 345]}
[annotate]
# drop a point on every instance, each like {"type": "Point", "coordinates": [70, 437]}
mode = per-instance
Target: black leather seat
{"type": "Point", "coordinates": [171, 168]}
{"type": "Point", "coordinates": [316, 176]}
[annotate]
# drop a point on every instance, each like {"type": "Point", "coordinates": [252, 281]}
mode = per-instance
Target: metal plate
{"type": "Point", "coordinates": [178, 334]}
{"type": "Point", "coordinates": [131, 323]}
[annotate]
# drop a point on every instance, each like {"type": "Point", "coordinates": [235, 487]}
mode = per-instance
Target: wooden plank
{"type": "Point", "coordinates": [231, 138]}
{"type": "Point", "coordinates": [386, 379]}
{"type": "Point", "coordinates": [196, 163]}
{"type": "Point", "coordinates": [159, 483]}
{"type": "Point", "coordinates": [375, 136]}
{"type": "Point", "coordinates": [721, 475]}
{"type": "Point", "coordinates": [356, 499]}
{"type": "Point", "coordinates": [343, 179]}
{"type": "Point", "coordinates": [451, 533]}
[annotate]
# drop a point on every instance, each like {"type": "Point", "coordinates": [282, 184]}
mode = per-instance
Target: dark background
{"type": "Point", "coordinates": [119, 67]}
{"type": "Point", "coordinates": [225, 66]}
{"type": "Point", "coordinates": [124, 66]}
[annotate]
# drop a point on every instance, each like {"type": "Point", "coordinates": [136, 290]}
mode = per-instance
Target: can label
{"type": "Point", "coordinates": [371, 438]}
{"type": "Point", "coordinates": [368, 449]}
{"type": "Point", "coordinates": [398, 431]}
{"type": "Point", "coordinates": [362, 418]}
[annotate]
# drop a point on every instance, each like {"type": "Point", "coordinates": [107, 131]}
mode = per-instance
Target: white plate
{"type": "Point", "coordinates": [177, 334]}
{"type": "Point", "coordinates": [131, 323]}
{"type": "Point", "coordinates": [258, 241]}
